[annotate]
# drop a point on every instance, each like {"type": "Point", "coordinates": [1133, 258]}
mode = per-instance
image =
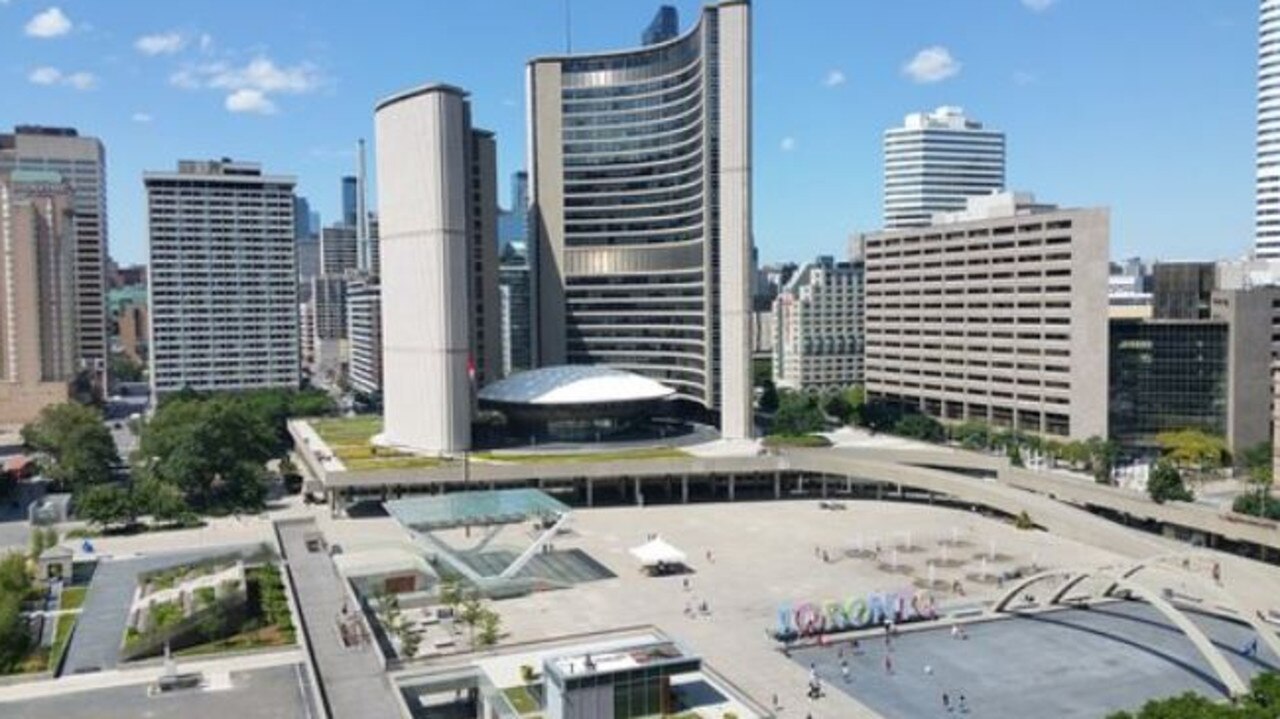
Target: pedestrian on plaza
{"type": "Point", "coordinates": [888, 663]}
{"type": "Point", "coordinates": [776, 705]}
{"type": "Point", "coordinates": [854, 646]}
{"type": "Point", "coordinates": [964, 708]}
{"type": "Point", "coordinates": [946, 702]}
{"type": "Point", "coordinates": [844, 672]}
{"type": "Point", "coordinates": [1217, 573]}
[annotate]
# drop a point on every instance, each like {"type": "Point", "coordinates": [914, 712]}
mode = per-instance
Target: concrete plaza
{"type": "Point", "coordinates": [747, 560]}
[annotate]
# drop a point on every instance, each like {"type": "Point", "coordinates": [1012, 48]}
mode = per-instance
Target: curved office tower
{"type": "Point", "coordinates": [641, 180]}
{"type": "Point", "coordinates": [438, 238]}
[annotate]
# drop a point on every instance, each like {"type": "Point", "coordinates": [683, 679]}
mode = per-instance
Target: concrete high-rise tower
{"type": "Point", "coordinates": [437, 207]}
{"type": "Point", "coordinates": [37, 293]}
{"type": "Point", "coordinates": [224, 278]}
{"type": "Point", "coordinates": [1267, 212]}
{"type": "Point", "coordinates": [81, 161]}
{"type": "Point", "coordinates": [640, 171]}
{"type": "Point", "coordinates": [934, 162]}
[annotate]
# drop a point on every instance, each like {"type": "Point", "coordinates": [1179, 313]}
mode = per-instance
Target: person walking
{"type": "Point", "coordinates": [888, 663]}
{"type": "Point", "coordinates": [844, 671]}
{"type": "Point", "coordinates": [946, 702]}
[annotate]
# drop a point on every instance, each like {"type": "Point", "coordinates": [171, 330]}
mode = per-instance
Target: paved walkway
{"type": "Point", "coordinates": [353, 680]}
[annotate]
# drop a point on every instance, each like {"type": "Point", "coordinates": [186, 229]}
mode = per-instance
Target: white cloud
{"type": "Point", "coordinates": [788, 144]}
{"type": "Point", "coordinates": [50, 23]}
{"type": "Point", "coordinates": [81, 80]}
{"type": "Point", "coordinates": [1038, 5]}
{"type": "Point", "coordinates": [250, 87]}
{"type": "Point", "coordinates": [833, 78]}
{"type": "Point", "coordinates": [142, 117]}
{"type": "Point", "coordinates": [265, 76]}
{"type": "Point", "coordinates": [45, 76]}
{"type": "Point", "coordinates": [165, 43]}
{"type": "Point", "coordinates": [932, 64]}
{"type": "Point", "coordinates": [50, 76]}
{"type": "Point", "coordinates": [206, 42]}
{"type": "Point", "coordinates": [250, 100]}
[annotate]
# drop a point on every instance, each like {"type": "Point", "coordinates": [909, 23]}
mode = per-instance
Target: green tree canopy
{"type": "Point", "coordinates": [106, 505]}
{"type": "Point", "coordinates": [77, 447]}
{"type": "Point", "coordinates": [212, 450]}
{"type": "Point", "coordinates": [798, 413]}
{"type": "Point", "coordinates": [1164, 483]}
{"type": "Point", "coordinates": [1193, 448]}
{"type": "Point", "coordinates": [919, 426]}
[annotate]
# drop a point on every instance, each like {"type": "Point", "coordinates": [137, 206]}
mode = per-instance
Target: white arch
{"type": "Point", "coordinates": [1227, 674]}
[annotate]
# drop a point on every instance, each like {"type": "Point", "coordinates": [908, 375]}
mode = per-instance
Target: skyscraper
{"type": "Point", "coordinates": [224, 283]}
{"type": "Point", "coordinates": [934, 162]}
{"type": "Point", "coordinates": [513, 224]}
{"type": "Point", "coordinates": [339, 250]}
{"type": "Point", "coordinates": [641, 233]}
{"type": "Point", "coordinates": [37, 293]}
{"type": "Point", "coordinates": [1267, 212]}
{"type": "Point", "coordinates": [81, 161]}
{"type": "Point", "coordinates": [664, 26]}
{"type": "Point", "coordinates": [350, 200]}
{"type": "Point", "coordinates": [437, 200]}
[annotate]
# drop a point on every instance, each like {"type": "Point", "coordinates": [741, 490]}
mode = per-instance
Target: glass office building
{"type": "Point", "coordinates": [1167, 375]}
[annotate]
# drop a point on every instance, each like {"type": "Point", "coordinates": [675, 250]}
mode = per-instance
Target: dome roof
{"type": "Point", "coordinates": [575, 385]}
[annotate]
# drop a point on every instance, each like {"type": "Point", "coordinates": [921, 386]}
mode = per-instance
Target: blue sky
{"type": "Point", "coordinates": [1145, 106]}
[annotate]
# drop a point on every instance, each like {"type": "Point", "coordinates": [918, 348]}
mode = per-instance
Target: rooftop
{"type": "Point", "coordinates": [575, 385]}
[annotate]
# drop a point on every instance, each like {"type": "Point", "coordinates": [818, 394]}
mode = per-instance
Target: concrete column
{"type": "Point", "coordinates": [732, 492]}
{"type": "Point", "coordinates": [902, 492]}
{"type": "Point", "coordinates": [879, 491]}
{"type": "Point", "coordinates": [777, 485]}
{"type": "Point", "coordinates": [824, 486]}
{"type": "Point", "coordinates": [591, 492]}
{"type": "Point", "coordinates": [684, 489]}
{"type": "Point", "coordinates": [636, 484]}
{"type": "Point", "coordinates": [848, 484]}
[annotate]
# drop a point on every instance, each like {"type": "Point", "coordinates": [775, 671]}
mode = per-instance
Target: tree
{"type": "Point", "coordinates": [837, 405]}
{"type": "Point", "coordinates": [1164, 483]}
{"type": "Point", "coordinates": [1102, 454]}
{"type": "Point", "coordinates": [490, 627]}
{"type": "Point", "coordinates": [77, 447]}
{"type": "Point", "coordinates": [1261, 702]}
{"type": "Point", "coordinates": [471, 612]}
{"type": "Point", "coordinates": [798, 413]}
{"type": "Point", "coordinates": [769, 399]}
{"type": "Point", "coordinates": [163, 501]}
{"type": "Point", "coordinates": [1257, 461]}
{"type": "Point", "coordinates": [125, 369]}
{"type": "Point", "coordinates": [14, 577]}
{"type": "Point", "coordinates": [15, 634]}
{"type": "Point", "coordinates": [105, 505]}
{"type": "Point", "coordinates": [212, 450]}
{"type": "Point", "coordinates": [972, 435]}
{"type": "Point", "coordinates": [1194, 449]}
{"type": "Point", "coordinates": [919, 426]}
{"type": "Point", "coordinates": [450, 593]}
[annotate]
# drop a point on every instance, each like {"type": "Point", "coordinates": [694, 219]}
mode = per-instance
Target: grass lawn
{"type": "Point", "coordinates": [606, 456]}
{"type": "Point", "coordinates": [61, 633]}
{"type": "Point", "coordinates": [521, 700]}
{"type": "Point", "coordinates": [796, 440]}
{"type": "Point", "coordinates": [73, 597]}
{"type": "Point", "coordinates": [349, 440]}
{"type": "Point", "coordinates": [271, 636]}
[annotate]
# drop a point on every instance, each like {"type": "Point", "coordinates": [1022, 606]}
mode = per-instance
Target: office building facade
{"type": "Point", "coordinates": [38, 309]}
{"type": "Point", "coordinates": [339, 250]}
{"type": "Point", "coordinates": [515, 292]}
{"type": "Point", "coordinates": [81, 162]}
{"type": "Point", "coordinates": [817, 321]}
{"type": "Point", "coordinates": [224, 280]}
{"type": "Point", "coordinates": [1267, 188]}
{"type": "Point", "coordinates": [364, 335]}
{"type": "Point", "coordinates": [998, 319]}
{"type": "Point", "coordinates": [934, 162]}
{"type": "Point", "coordinates": [640, 171]}
{"type": "Point", "coordinates": [440, 312]}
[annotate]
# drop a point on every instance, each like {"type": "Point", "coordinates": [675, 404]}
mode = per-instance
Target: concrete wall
{"type": "Point", "coordinates": [422, 202]}
{"type": "Point", "coordinates": [1249, 316]}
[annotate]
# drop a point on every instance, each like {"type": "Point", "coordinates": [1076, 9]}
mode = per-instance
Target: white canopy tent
{"type": "Point", "coordinates": [657, 551]}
